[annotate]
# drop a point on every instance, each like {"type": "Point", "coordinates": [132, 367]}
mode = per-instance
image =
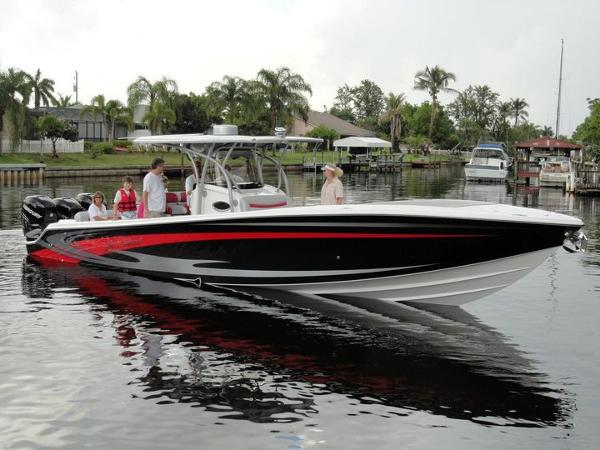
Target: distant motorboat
{"type": "Point", "coordinates": [489, 162]}
{"type": "Point", "coordinates": [556, 171]}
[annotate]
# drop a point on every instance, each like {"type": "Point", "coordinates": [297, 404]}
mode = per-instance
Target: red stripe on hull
{"type": "Point", "coordinates": [272, 205]}
{"type": "Point", "coordinates": [47, 255]}
{"type": "Point", "coordinates": [104, 245]}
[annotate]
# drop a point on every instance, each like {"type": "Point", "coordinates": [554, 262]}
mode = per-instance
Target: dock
{"type": "Point", "coordinates": [15, 174]}
{"type": "Point", "coordinates": [386, 163]}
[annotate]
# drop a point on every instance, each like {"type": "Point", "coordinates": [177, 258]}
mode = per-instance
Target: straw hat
{"type": "Point", "coordinates": [335, 169]}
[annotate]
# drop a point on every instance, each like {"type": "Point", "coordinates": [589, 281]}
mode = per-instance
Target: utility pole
{"type": "Point", "coordinates": [76, 88]}
{"type": "Point", "coordinates": [562, 41]}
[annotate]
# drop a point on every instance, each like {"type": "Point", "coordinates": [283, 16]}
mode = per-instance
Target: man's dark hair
{"type": "Point", "coordinates": [157, 162]}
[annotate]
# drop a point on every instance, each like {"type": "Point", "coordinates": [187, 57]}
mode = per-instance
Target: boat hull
{"type": "Point", "coordinates": [485, 173]}
{"type": "Point", "coordinates": [394, 254]}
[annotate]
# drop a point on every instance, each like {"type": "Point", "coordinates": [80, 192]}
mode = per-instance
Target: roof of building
{"type": "Point", "coordinates": [546, 142]}
{"type": "Point", "coordinates": [343, 127]}
{"type": "Point", "coordinates": [361, 141]}
{"type": "Point", "coordinates": [68, 113]}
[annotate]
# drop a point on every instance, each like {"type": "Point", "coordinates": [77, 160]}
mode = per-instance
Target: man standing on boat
{"type": "Point", "coordinates": [154, 193]}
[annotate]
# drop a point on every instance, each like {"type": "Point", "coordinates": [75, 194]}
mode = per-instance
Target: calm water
{"type": "Point", "coordinates": [107, 360]}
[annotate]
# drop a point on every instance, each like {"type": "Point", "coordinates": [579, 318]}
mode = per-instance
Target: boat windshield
{"type": "Point", "coordinates": [488, 153]}
{"type": "Point", "coordinates": [241, 166]}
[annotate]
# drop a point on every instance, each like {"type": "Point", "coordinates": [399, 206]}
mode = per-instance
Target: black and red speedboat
{"type": "Point", "coordinates": [240, 234]}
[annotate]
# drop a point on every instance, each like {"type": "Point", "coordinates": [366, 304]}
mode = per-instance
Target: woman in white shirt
{"type": "Point", "coordinates": [332, 192]}
{"type": "Point", "coordinates": [97, 210]}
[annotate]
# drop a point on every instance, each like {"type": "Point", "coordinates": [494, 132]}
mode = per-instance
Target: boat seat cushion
{"type": "Point", "coordinates": [177, 203]}
{"type": "Point", "coordinates": [82, 216]}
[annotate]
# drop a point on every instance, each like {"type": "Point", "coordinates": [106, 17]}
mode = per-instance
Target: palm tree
{"type": "Point", "coordinates": [116, 112]}
{"type": "Point", "coordinates": [161, 91]}
{"type": "Point", "coordinates": [518, 106]}
{"type": "Point", "coordinates": [43, 89]}
{"type": "Point", "coordinates": [547, 131]}
{"type": "Point", "coordinates": [159, 118]}
{"type": "Point", "coordinates": [62, 101]}
{"type": "Point", "coordinates": [501, 125]}
{"type": "Point", "coordinates": [228, 97]}
{"type": "Point", "coordinates": [393, 115]}
{"type": "Point", "coordinates": [15, 91]}
{"type": "Point", "coordinates": [283, 91]}
{"type": "Point", "coordinates": [433, 80]}
{"type": "Point", "coordinates": [97, 107]}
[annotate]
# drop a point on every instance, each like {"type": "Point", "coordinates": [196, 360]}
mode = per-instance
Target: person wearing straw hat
{"type": "Point", "coordinates": [332, 192]}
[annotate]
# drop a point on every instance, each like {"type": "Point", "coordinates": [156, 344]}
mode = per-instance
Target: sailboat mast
{"type": "Point", "coordinates": [562, 41]}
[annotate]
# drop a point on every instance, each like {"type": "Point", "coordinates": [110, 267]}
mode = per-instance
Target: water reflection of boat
{"type": "Point", "coordinates": [260, 359]}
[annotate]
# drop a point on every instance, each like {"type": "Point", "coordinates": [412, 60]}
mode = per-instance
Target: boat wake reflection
{"type": "Point", "coordinates": [263, 359]}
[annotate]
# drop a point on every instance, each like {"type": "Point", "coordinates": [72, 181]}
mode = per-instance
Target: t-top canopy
{"type": "Point", "coordinates": [359, 141]}
{"type": "Point", "coordinates": [182, 139]}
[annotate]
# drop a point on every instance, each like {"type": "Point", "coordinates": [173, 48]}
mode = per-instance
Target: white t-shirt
{"type": "Point", "coordinates": [189, 186]}
{"type": "Point", "coordinates": [330, 191]}
{"type": "Point", "coordinates": [94, 211]}
{"type": "Point", "coordinates": [154, 186]}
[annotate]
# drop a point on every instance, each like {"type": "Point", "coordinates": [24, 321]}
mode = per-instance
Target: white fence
{"type": "Point", "coordinates": [44, 146]}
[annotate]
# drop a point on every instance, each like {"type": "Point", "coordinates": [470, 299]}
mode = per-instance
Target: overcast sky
{"type": "Point", "coordinates": [512, 46]}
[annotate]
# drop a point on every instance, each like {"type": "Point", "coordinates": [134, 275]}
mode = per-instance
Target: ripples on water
{"type": "Point", "coordinates": [94, 358]}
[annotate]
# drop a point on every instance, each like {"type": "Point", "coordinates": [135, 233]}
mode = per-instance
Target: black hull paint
{"type": "Point", "coordinates": [275, 250]}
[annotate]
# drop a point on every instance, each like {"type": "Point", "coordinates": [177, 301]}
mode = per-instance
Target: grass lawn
{"type": "Point", "coordinates": [171, 159]}
{"type": "Point", "coordinates": [85, 159]}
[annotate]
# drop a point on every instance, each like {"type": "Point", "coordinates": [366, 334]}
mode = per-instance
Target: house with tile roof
{"type": "Point", "coordinates": [315, 119]}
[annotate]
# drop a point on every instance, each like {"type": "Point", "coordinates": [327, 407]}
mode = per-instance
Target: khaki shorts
{"type": "Point", "coordinates": [152, 214]}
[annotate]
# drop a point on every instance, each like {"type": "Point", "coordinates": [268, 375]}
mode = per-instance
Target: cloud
{"type": "Point", "coordinates": [512, 46]}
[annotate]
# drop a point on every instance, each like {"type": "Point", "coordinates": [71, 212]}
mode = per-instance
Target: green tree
{"type": "Point", "coordinates": [327, 134]}
{"type": "Point", "coordinates": [229, 97]}
{"type": "Point", "coordinates": [417, 121]}
{"type": "Point", "coordinates": [524, 132]}
{"type": "Point", "coordinates": [518, 111]}
{"type": "Point", "coordinates": [62, 101]}
{"type": "Point", "coordinates": [368, 100]}
{"type": "Point", "coordinates": [97, 108]}
{"type": "Point", "coordinates": [42, 88]}
{"type": "Point", "coordinates": [193, 113]}
{"type": "Point", "coordinates": [159, 98]}
{"type": "Point", "coordinates": [284, 93]}
{"type": "Point", "coordinates": [393, 116]}
{"type": "Point", "coordinates": [15, 91]}
{"type": "Point", "coordinates": [343, 106]}
{"type": "Point", "coordinates": [547, 131]}
{"type": "Point", "coordinates": [588, 132]}
{"type": "Point", "coordinates": [501, 125]}
{"type": "Point", "coordinates": [475, 112]}
{"type": "Point", "coordinates": [53, 128]}
{"type": "Point", "coordinates": [160, 118]}
{"type": "Point", "coordinates": [434, 80]}
{"type": "Point", "coordinates": [115, 113]}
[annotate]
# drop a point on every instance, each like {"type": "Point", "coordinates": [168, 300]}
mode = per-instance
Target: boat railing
{"type": "Point", "coordinates": [202, 177]}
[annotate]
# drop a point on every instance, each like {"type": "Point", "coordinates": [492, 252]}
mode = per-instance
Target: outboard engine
{"type": "Point", "coordinates": [85, 200]}
{"type": "Point", "coordinates": [37, 212]}
{"type": "Point", "coordinates": [66, 208]}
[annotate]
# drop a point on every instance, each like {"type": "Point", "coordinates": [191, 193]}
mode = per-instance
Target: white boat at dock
{"type": "Point", "coordinates": [489, 163]}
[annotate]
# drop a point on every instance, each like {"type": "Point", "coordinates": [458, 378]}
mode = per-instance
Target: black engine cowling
{"type": "Point", "coordinates": [66, 208]}
{"type": "Point", "coordinates": [37, 212]}
{"type": "Point", "coordinates": [85, 200]}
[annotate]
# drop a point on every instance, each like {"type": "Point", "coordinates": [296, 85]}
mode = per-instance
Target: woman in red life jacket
{"type": "Point", "coordinates": [126, 200]}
